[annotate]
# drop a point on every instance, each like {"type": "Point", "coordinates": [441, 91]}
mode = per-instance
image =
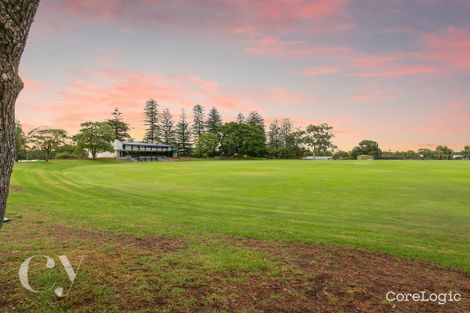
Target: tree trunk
{"type": "Point", "coordinates": [16, 17]}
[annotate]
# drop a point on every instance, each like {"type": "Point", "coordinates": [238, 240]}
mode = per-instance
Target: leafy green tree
{"type": "Point", "coordinates": [183, 134]}
{"type": "Point", "coordinates": [70, 150]}
{"type": "Point", "coordinates": [255, 119]}
{"type": "Point", "coordinates": [366, 147]}
{"type": "Point", "coordinates": [47, 140]}
{"type": "Point", "coordinates": [207, 145]}
{"type": "Point", "coordinates": [274, 139]}
{"type": "Point", "coordinates": [466, 152]}
{"type": "Point", "coordinates": [167, 128]}
{"type": "Point", "coordinates": [214, 121]}
{"type": "Point", "coordinates": [240, 118]}
{"type": "Point", "coordinates": [287, 138]}
{"type": "Point", "coordinates": [152, 134]}
{"type": "Point", "coordinates": [241, 139]}
{"type": "Point", "coordinates": [444, 152]}
{"type": "Point", "coordinates": [426, 154]}
{"type": "Point", "coordinates": [95, 137]}
{"type": "Point", "coordinates": [341, 155]}
{"type": "Point", "coordinates": [198, 127]}
{"type": "Point", "coordinates": [411, 155]}
{"type": "Point", "coordinates": [20, 142]}
{"type": "Point", "coordinates": [318, 138]}
{"type": "Point", "coordinates": [119, 127]}
{"type": "Point", "coordinates": [298, 140]}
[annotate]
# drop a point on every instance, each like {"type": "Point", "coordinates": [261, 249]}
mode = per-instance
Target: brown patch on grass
{"type": "Point", "coordinates": [15, 189]}
{"type": "Point", "coordinates": [126, 273]}
{"type": "Point", "coordinates": [341, 279]}
{"type": "Point", "coordinates": [101, 237]}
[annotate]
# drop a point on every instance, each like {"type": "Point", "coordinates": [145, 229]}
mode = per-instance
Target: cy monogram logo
{"type": "Point", "coordinates": [50, 263]}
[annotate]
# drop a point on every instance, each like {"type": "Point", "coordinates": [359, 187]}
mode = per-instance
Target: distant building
{"type": "Point", "coordinates": [365, 157]}
{"type": "Point", "coordinates": [139, 151]}
{"type": "Point", "coordinates": [324, 158]}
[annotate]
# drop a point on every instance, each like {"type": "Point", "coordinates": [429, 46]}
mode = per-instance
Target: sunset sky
{"type": "Point", "coordinates": [397, 72]}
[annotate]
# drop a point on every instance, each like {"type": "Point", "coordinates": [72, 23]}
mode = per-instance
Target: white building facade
{"type": "Point", "coordinates": [139, 151]}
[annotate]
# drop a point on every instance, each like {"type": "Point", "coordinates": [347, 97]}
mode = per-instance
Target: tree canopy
{"type": "Point", "coordinates": [207, 145]}
{"type": "Point", "coordinates": [47, 139]}
{"type": "Point", "coordinates": [318, 138]}
{"type": "Point", "coordinates": [167, 128]}
{"type": "Point", "coordinates": [119, 127]}
{"type": "Point", "coordinates": [20, 142]}
{"type": "Point", "coordinates": [183, 134]}
{"type": "Point", "coordinates": [95, 137]}
{"type": "Point", "coordinates": [241, 139]}
{"type": "Point", "coordinates": [198, 126]}
{"type": "Point", "coordinates": [214, 121]}
{"type": "Point", "coordinates": [152, 134]}
{"type": "Point", "coordinates": [366, 147]}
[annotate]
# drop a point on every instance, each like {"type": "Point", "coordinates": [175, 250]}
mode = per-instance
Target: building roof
{"type": "Point", "coordinates": [145, 144]}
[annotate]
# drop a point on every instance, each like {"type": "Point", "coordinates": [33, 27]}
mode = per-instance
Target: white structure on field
{"type": "Point", "coordinates": [139, 151]}
{"type": "Point", "coordinates": [322, 158]}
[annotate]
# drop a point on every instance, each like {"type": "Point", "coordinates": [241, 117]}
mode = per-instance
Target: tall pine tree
{"type": "Point", "coordinates": [286, 133]}
{"type": "Point", "coordinates": [119, 127]}
{"type": "Point", "coordinates": [214, 121]}
{"type": "Point", "coordinates": [183, 135]}
{"type": "Point", "coordinates": [274, 138]}
{"type": "Point", "coordinates": [151, 121]}
{"type": "Point", "coordinates": [198, 126]}
{"type": "Point", "coordinates": [255, 119]}
{"type": "Point", "coordinates": [167, 129]}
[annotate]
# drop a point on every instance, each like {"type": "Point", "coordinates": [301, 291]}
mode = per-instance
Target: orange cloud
{"type": "Point", "coordinates": [86, 100]}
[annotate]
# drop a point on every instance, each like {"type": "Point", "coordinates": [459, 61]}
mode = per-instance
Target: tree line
{"type": "Point", "coordinates": [204, 134]}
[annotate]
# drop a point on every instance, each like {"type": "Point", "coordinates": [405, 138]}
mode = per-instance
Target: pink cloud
{"type": "Point", "coordinates": [459, 106]}
{"type": "Point", "coordinates": [260, 26]}
{"type": "Point", "coordinates": [82, 100]}
{"type": "Point", "coordinates": [375, 93]}
{"type": "Point", "coordinates": [372, 98]}
{"type": "Point", "coordinates": [398, 71]}
{"type": "Point", "coordinates": [275, 47]}
{"type": "Point", "coordinates": [320, 70]}
{"type": "Point", "coordinates": [356, 64]}
{"type": "Point", "coordinates": [260, 16]}
{"type": "Point", "coordinates": [450, 47]}
{"type": "Point", "coordinates": [447, 124]}
{"type": "Point", "coordinates": [33, 84]}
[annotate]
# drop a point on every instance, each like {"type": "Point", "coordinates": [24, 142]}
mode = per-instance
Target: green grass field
{"type": "Point", "coordinates": [416, 209]}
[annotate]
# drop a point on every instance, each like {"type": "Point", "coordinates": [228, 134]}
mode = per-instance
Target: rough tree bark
{"type": "Point", "coordinates": [16, 17]}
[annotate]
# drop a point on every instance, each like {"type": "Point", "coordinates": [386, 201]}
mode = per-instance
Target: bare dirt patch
{"type": "Point", "coordinates": [127, 273]}
{"type": "Point", "coordinates": [15, 189]}
{"type": "Point", "coordinates": [340, 279]}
